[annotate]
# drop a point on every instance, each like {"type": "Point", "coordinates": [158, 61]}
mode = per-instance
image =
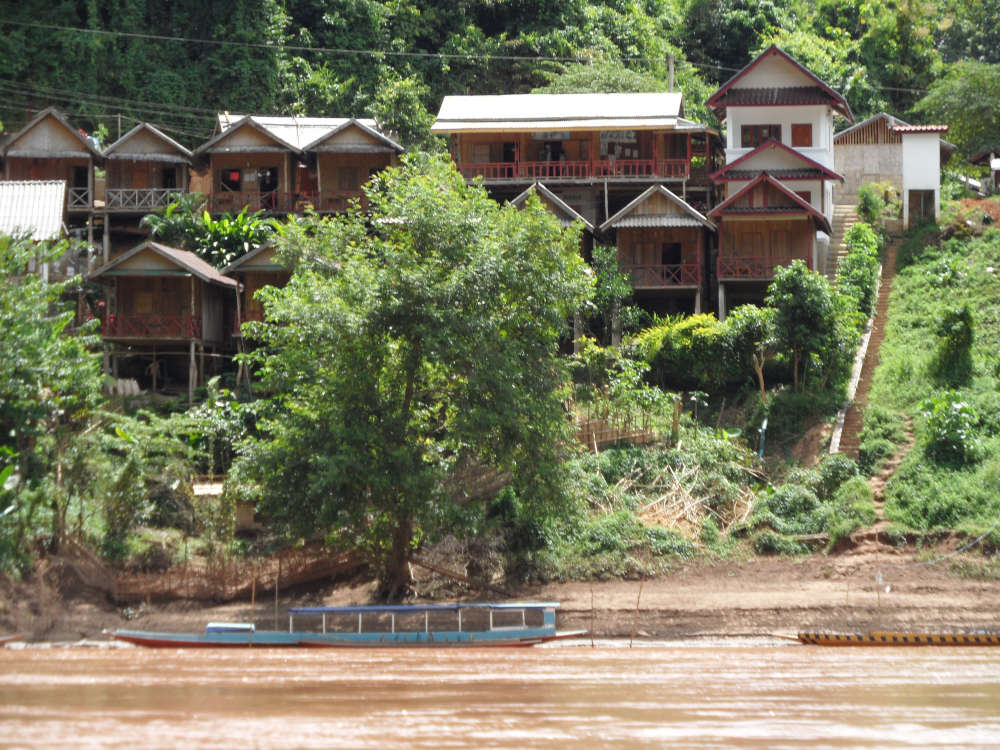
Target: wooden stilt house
{"type": "Point", "coordinates": [164, 316]}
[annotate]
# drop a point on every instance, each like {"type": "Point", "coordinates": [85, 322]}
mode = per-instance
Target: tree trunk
{"type": "Point", "coordinates": [758, 367]}
{"type": "Point", "coordinates": [396, 579]}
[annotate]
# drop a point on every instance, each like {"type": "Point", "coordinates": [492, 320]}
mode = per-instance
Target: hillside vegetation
{"type": "Point", "coordinates": [177, 64]}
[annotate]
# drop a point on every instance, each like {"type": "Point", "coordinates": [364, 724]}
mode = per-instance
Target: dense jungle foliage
{"type": "Point", "coordinates": [177, 64]}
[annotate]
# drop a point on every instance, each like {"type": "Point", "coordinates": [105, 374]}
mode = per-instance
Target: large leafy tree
{"type": "Point", "coordinates": [967, 99]}
{"type": "Point", "coordinates": [805, 318]}
{"type": "Point", "coordinates": [410, 344]}
{"type": "Point", "coordinates": [50, 388]}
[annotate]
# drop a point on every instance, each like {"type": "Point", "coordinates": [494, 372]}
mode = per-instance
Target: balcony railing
{"type": "Point", "coordinates": [138, 199]}
{"type": "Point", "coordinates": [78, 197]}
{"type": "Point", "coordinates": [152, 326]}
{"type": "Point", "coordinates": [660, 276]}
{"type": "Point", "coordinates": [627, 169]}
{"type": "Point", "coordinates": [750, 267]}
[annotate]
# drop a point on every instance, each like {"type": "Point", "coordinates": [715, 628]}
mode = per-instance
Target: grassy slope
{"type": "Point", "coordinates": [933, 277]}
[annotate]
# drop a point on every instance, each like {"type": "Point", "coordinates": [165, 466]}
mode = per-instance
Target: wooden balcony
{"type": "Point", "coordinates": [556, 171]}
{"type": "Point", "coordinates": [665, 276]}
{"type": "Point", "coordinates": [750, 267]}
{"type": "Point", "coordinates": [233, 201]}
{"type": "Point", "coordinates": [139, 199]}
{"type": "Point", "coordinates": [78, 199]}
{"type": "Point", "coordinates": [151, 327]}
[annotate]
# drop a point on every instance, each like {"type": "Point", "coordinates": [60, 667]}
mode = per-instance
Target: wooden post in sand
{"type": "Point", "coordinates": [635, 617]}
{"type": "Point", "coordinates": [276, 579]}
{"type": "Point", "coordinates": [253, 595]}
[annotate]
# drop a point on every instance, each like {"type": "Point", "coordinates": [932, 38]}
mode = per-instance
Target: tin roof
{"type": "Point", "coordinates": [687, 217]}
{"type": "Point", "coordinates": [569, 214]}
{"type": "Point", "coordinates": [187, 261]}
{"type": "Point", "coordinates": [87, 149]}
{"type": "Point", "coordinates": [173, 151]}
{"type": "Point", "coordinates": [298, 132]}
{"type": "Point", "coordinates": [553, 112]}
{"type": "Point", "coordinates": [32, 208]}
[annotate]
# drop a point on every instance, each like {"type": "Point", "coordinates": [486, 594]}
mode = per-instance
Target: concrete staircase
{"type": "Point", "coordinates": [850, 437]}
{"type": "Point", "coordinates": [845, 215]}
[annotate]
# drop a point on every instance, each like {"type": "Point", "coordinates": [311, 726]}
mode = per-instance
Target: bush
{"type": "Point", "coordinates": [686, 352]}
{"type": "Point", "coordinates": [833, 472]}
{"type": "Point", "coordinates": [951, 363]}
{"type": "Point", "coordinates": [948, 430]}
{"type": "Point", "coordinates": [872, 451]}
{"type": "Point", "coordinates": [851, 508]}
{"type": "Point", "coordinates": [857, 273]}
{"type": "Point", "coordinates": [770, 543]}
{"type": "Point", "coordinates": [870, 203]}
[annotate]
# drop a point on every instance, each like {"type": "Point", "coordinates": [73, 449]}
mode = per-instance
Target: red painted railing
{"type": "Point", "coordinates": [152, 326]}
{"type": "Point", "coordinates": [578, 170]}
{"type": "Point", "coordinates": [749, 267]}
{"type": "Point", "coordinates": [555, 170]}
{"type": "Point", "coordinates": [656, 276]}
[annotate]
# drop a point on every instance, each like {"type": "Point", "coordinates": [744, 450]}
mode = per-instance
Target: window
{"type": "Point", "coordinates": [752, 136]}
{"type": "Point", "coordinates": [169, 178]}
{"type": "Point", "coordinates": [230, 179]}
{"type": "Point", "coordinates": [347, 178]}
{"type": "Point", "coordinates": [802, 135]}
{"type": "Point", "coordinates": [805, 195]}
{"type": "Point", "coordinates": [671, 254]}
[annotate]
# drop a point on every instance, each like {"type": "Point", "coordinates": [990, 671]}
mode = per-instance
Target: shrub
{"type": "Point", "coordinates": [833, 472]}
{"type": "Point", "coordinates": [952, 361]}
{"type": "Point", "coordinates": [857, 272]}
{"type": "Point", "coordinates": [685, 352]}
{"type": "Point", "coordinates": [768, 542]}
{"type": "Point", "coordinates": [851, 508]}
{"type": "Point", "coordinates": [870, 203]}
{"type": "Point", "coordinates": [948, 430]}
{"type": "Point", "coordinates": [872, 451]}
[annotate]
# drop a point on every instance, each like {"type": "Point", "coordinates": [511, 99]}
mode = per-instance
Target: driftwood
{"type": "Point", "coordinates": [459, 577]}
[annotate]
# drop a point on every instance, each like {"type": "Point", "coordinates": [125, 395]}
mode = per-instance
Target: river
{"type": "Point", "coordinates": [693, 694]}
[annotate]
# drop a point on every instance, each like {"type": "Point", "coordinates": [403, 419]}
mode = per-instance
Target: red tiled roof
{"type": "Point", "coordinates": [720, 99]}
{"type": "Point", "coordinates": [738, 175]}
{"type": "Point", "coordinates": [920, 129]}
{"type": "Point", "coordinates": [772, 96]}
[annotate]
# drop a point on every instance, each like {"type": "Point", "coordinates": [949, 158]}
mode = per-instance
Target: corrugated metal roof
{"type": "Point", "coordinates": [32, 208]}
{"type": "Point", "coordinates": [658, 221]}
{"type": "Point", "coordinates": [558, 112]}
{"type": "Point", "coordinates": [296, 131]}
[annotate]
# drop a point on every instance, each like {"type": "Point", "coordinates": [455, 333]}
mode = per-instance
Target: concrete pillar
{"type": "Point", "coordinates": [697, 302]}
{"type": "Point", "coordinates": [722, 301]}
{"type": "Point", "coordinates": [106, 240]}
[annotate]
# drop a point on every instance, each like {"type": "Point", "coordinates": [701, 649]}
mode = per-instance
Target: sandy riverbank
{"type": "Point", "coordinates": [752, 597]}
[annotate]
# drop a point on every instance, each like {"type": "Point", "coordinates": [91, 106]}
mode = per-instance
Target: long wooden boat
{"type": "Point", "coordinates": [469, 624]}
{"type": "Point", "coordinates": [520, 624]}
{"type": "Point", "coordinates": [900, 639]}
{"type": "Point", "coordinates": [11, 638]}
{"type": "Point", "coordinates": [216, 635]}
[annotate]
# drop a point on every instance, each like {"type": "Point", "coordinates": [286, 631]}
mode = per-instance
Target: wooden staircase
{"type": "Point", "coordinates": [845, 216]}
{"type": "Point", "coordinates": [850, 437]}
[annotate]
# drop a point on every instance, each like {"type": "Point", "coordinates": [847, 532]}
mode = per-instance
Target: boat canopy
{"type": "Point", "coordinates": [401, 608]}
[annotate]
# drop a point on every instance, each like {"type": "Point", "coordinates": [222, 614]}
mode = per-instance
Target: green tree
{"type": "Point", "coordinates": [967, 99]}
{"type": "Point", "coordinates": [50, 389]}
{"type": "Point", "coordinates": [183, 223]}
{"type": "Point", "coordinates": [805, 317]}
{"type": "Point", "coordinates": [398, 354]}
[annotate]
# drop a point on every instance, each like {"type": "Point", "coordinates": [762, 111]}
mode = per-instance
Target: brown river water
{"type": "Point", "coordinates": [692, 694]}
